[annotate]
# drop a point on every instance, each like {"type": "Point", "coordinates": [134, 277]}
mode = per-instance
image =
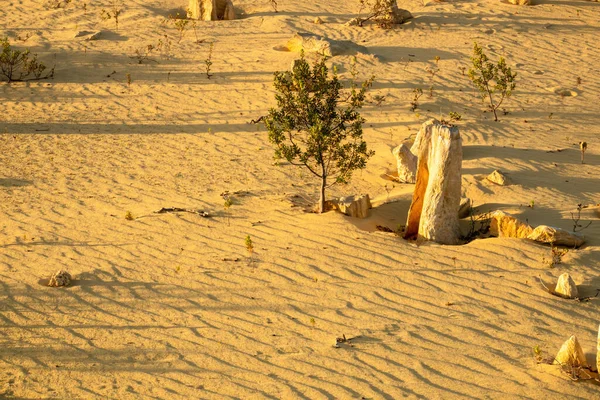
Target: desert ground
{"type": "Point", "coordinates": [172, 305]}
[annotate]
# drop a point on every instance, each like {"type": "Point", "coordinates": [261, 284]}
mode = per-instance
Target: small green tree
{"type": "Point", "coordinates": [17, 65]}
{"type": "Point", "coordinates": [309, 127]}
{"type": "Point", "coordinates": [491, 79]}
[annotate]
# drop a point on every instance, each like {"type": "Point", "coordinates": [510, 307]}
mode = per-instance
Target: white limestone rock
{"type": "Point", "coordinates": [571, 354]}
{"type": "Point", "coordinates": [88, 35]}
{"type": "Point", "coordinates": [505, 225]}
{"type": "Point", "coordinates": [353, 22]}
{"type": "Point", "coordinates": [565, 287]}
{"type": "Point", "coordinates": [433, 213]}
{"type": "Point", "coordinates": [354, 206]}
{"type": "Point", "coordinates": [499, 178]}
{"type": "Point", "coordinates": [406, 164]}
{"type": "Point", "coordinates": [211, 10]}
{"type": "Point", "coordinates": [310, 43]}
{"type": "Point", "coordinates": [556, 236]}
{"type": "Point", "coordinates": [60, 278]}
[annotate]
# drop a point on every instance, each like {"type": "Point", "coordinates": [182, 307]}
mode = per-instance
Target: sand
{"type": "Point", "coordinates": [172, 306]}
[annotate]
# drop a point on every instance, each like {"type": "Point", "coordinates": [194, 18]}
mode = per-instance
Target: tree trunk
{"type": "Point", "coordinates": [321, 207]}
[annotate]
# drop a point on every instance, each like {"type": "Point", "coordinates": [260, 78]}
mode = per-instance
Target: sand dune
{"type": "Point", "coordinates": [172, 306]}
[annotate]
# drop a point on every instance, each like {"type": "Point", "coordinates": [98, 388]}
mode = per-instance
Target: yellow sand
{"type": "Point", "coordinates": [160, 309]}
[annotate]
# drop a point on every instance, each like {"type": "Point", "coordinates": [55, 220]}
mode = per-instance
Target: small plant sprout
{"type": "Point", "coordinates": [249, 247]}
{"type": "Point", "coordinates": [129, 216]}
{"type": "Point", "coordinates": [531, 204]}
{"type": "Point", "coordinates": [494, 81]}
{"type": "Point", "coordinates": [576, 218]}
{"type": "Point", "coordinates": [143, 53]}
{"type": "Point", "coordinates": [417, 93]}
{"type": "Point", "coordinates": [582, 148]}
{"type": "Point", "coordinates": [388, 190]}
{"type": "Point", "coordinates": [313, 322]}
{"type": "Point", "coordinates": [226, 205]}
{"type": "Point", "coordinates": [114, 11]}
{"type": "Point", "coordinates": [378, 99]}
{"type": "Point", "coordinates": [454, 116]}
{"type": "Point", "coordinates": [437, 60]}
{"type": "Point", "coordinates": [164, 46]}
{"type": "Point", "coordinates": [180, 23]}
{"type": "Point", "coordinates": [310, 128]}
{"type": "Point", "coordinates": [556, 255]}
{"type": "Point", "coordinates": [194, 25]}
{"type": "Point", "coordinates": [208, 62]}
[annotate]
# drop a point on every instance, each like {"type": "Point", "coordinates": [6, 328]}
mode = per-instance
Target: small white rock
{"type": "Point", "coordinates": [565, 287]}
{"type": "Point", "coordinates": [60, 278]}
{"type": "Point", "coordinates": [498, 178]}
{"type": "Point", "coordinates": [571, 354]}
{"type": "Point", "coordinates": [556, 236]}
{"type": "Point", "coordinates": [406, 163]}
{"type": "Point", "coordinates": [354, 206]}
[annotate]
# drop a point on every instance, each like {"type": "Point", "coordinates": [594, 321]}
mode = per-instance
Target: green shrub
{"type": "Point", "coordinates": [492, 80]}
{"type": "Point", "coordinates": [17, 65]}
{"type": "Point", "coordinates": [309, 128]}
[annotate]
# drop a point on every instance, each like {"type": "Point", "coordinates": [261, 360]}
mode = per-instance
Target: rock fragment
{"type": "Point", "coordinates": [505, 225]}
{"type": "Point", "coordinates": [354, 206]}
{"type": "Point", "coordinates": [571, 354]}
{"type": "Point", "coordinates": [556, 236]}
{"type": "Point", "coordinates": [565, 287]}
{"type": "Point", "coordinates": [406, 164]}
{"type": "Point", "coordinates": [498, 178]}
{"type": "Point", "coordinates": [60, 278]}
{"type": "Point", "coordinates": [211, 10]}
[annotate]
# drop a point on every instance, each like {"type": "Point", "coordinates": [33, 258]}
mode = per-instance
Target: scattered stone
{"type": "Point", "coordinates": [433, 213]}
{"type": "Point", "coordinates": [60, 278]}
{"type": "Point", "coordinates": [571, 354]}
{"type": "Point", "coordinates": [354, 206]}
{"type": "Point", "coordinates": [353, 22]}
{"type": "Point", "coordinates": [318, 21]}
{"type": "Point", "coordinates": [316, 44]}
{"type": "Point", "coordinates": [498, 178]}
{"type": "Point", "coordinates": [211, 10]}
{"type": "Point", "coordinates": [520, 2]}
{"type": "Point", "coordinates": [556, 236]}
{"type": "Point", "coordinates": [505, 225]}
{"type": "Point", "coordinates": [396, 16]}
{"type": "Point", "coordinates": [566, 287]}
{"type": "Point", "coordinates": [464, 209]}
{"type": "Point", "coordinates": [88, 35]}
{"type": "Point", "coordinates": [407, 164]}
